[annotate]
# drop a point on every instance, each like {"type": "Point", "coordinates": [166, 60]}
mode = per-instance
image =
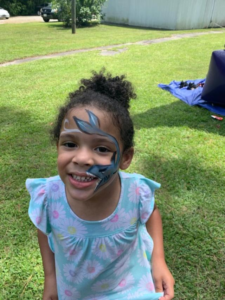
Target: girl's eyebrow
{"type": "Point", "coordinates": [65, 134]}
{"type": "Point", "coordinates": [101, 139]}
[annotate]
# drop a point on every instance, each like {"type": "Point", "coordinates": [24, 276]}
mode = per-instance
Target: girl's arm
{"type": "Point", "coordinates": [162, 277]}
{"type": "Point", "coordinates": [50, 287]}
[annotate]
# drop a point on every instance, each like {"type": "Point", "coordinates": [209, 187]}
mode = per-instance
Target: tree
{"type": "Point", "coordinates": [87, 11]}
{"type": "Point", "coordinates": [21, 7]}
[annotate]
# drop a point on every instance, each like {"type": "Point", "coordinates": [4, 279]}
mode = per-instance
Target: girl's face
{"type": "Point", "coordinates": [90, 142]}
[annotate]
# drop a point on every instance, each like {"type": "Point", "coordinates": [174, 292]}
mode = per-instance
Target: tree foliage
{"type": "Point", "coordinates": [21, 7]}
{"type": "Point", "coordinates": [87, 11]}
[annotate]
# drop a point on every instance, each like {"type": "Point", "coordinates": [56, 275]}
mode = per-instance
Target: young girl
{"type": "Point", "coordinates": [96, 224]}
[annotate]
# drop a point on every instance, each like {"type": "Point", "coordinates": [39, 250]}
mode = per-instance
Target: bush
{"type": "Point", "coordinates": [88, 12]}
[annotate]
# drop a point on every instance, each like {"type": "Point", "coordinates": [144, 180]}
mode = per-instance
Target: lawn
{"type": "Point", "coordinates": [22, 40]}
{"type": "Point", "coordinates": [180, 146]}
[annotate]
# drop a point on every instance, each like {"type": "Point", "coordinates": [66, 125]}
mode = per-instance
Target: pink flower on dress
{"type": "Point", "coordinates": [56, 212]}
{"type": "Point", "coordinates": [92, 268]}
{"type": "Point", "coordinates": [73, 253]}
{"type": "Point", "coordinates": [146, 283]}
{"type": "Point", "coordinates": [115, 218]}
{"type": "Point", "coordinates": [134, 192]}
{"type": "Point", "coordinates": [68, 292]}
{"type": "Point", "coordinates": [39, 195]}
{"type": "Point", "coordinates": [73, 273]}
{"type": "Point", "coordinates": [38, 216]}
{"type": "Point", "coordinates": [56, 191]}
{"type": "Point", "coordinates": [125, 283]}
{"type": "Point", "coordinates": [116, 222]}
{"type": "Point", "coordinates": [145, 216]}
{"type": "Point", "coordinates": [145, 191]}
{"type": "Point", "coordinates": [41, 192]}
{"type": "Point", "coordinates": [54, 187]}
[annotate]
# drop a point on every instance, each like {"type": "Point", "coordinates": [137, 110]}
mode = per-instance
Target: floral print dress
{"type": "Point", "coordinates": [98, 260]}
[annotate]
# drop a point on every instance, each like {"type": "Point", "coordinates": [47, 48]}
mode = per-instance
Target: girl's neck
{"type": "Point", "coordinates": [101, 206]}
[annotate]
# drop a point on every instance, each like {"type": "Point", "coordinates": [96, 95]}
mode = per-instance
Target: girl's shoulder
{"type": "Point", "coordinates": [129, 178]}
{"type": "Point", "coordinates": [44, 193]}
{"type": "Point", "coordinates": [37, 186]}
{"type": "Point", "coordinates": [138, 192]}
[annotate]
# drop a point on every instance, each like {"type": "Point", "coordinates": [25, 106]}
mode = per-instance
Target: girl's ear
{"type": "Point", "coordinates": [126, 159]}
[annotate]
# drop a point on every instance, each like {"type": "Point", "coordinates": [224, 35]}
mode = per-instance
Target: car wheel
{"type": "Point", "coordinates": [46, 20]}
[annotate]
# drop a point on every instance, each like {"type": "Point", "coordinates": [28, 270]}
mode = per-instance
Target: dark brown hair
{"type": "Point", "coordinates": [107, 93]}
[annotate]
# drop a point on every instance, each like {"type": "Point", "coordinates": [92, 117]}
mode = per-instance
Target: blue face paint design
{"type": "Point", "coordinates": [103, 172]}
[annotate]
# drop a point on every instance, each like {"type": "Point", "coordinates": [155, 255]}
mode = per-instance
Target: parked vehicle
{"type": "Point", "coordinates": [39, 7]}
{"type": "Point", "coordinates": [49, 12]}
{"type": "Point", "coordinates": [4, 14]}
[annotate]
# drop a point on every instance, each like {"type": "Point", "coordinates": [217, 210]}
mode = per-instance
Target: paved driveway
{"type": "Point", "coordinates": [27, 19]}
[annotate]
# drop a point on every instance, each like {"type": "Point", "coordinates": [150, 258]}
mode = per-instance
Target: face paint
{"type": "Point", "coordinates": [103, 172]}
{"type": "Point", "coordinates": [66, 130]}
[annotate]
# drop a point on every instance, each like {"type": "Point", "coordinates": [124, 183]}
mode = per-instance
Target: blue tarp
{"type": "Point", "coordinates": [192, 97]}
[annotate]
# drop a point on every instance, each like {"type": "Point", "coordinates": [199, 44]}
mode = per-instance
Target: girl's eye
{"type": "Point", "coordinates": [102, 149]}
{"type": "Point", "coordinates": [70, 145]}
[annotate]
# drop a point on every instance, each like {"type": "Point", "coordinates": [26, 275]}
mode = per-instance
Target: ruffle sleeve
{"type": "Point", "coordinates": [38, 207]}
{"type": "Point", "coordinates": [147, 189]}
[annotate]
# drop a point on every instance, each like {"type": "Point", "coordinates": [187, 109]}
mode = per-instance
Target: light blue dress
{"type": "Point", "coordinates": [98, 260]}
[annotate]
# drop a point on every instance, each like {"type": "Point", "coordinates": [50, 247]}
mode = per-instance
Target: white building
{"type": "Point", "coordinates": [166, 14]}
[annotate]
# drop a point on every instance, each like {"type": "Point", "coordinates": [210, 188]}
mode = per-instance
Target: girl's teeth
{"type": "Point", "coordinates": [80, 178]}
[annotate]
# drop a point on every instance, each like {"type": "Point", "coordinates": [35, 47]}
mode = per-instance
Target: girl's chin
{"type": "Point", "coordinates": [79, 195]}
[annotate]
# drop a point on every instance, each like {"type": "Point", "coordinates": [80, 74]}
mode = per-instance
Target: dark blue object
{"type": "Point", "coordinates": [214, 88]}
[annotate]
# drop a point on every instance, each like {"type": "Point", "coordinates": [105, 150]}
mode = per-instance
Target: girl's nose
{"type": "Point", "coordinates": [83, 156]}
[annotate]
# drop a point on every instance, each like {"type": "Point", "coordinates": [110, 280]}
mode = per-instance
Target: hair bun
{"type": "Point", "coordinates": [115, 88]}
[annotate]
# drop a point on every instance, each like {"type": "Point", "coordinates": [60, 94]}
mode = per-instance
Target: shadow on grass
{"type": "Point", "coordinates": [26, 152]}
{"type": "Point", "coordinates": [58, 26]}
{"type": "Point", "coordinates": [191, 204]}
{"type": "Point", "coordinates": [25, 149]}
{"type": "Point", "coordinates": [178, 175]}
{"type": "Point", "coordinates": [178, 114]}
{"type": "Point", "coordinates": [134, 27]}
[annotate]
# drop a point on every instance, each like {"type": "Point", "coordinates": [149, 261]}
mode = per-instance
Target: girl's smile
{"type": "Point", "coordinates": [82, 180]}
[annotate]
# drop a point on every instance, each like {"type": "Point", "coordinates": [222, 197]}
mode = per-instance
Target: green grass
{"type": "Point", "coordinates": [180, 146]}
{"type": "Point", "coordinates": [23, 40]}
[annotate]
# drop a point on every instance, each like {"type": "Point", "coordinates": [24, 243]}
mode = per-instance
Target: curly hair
{"type": "Point", "coordinates": [107, 93]}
